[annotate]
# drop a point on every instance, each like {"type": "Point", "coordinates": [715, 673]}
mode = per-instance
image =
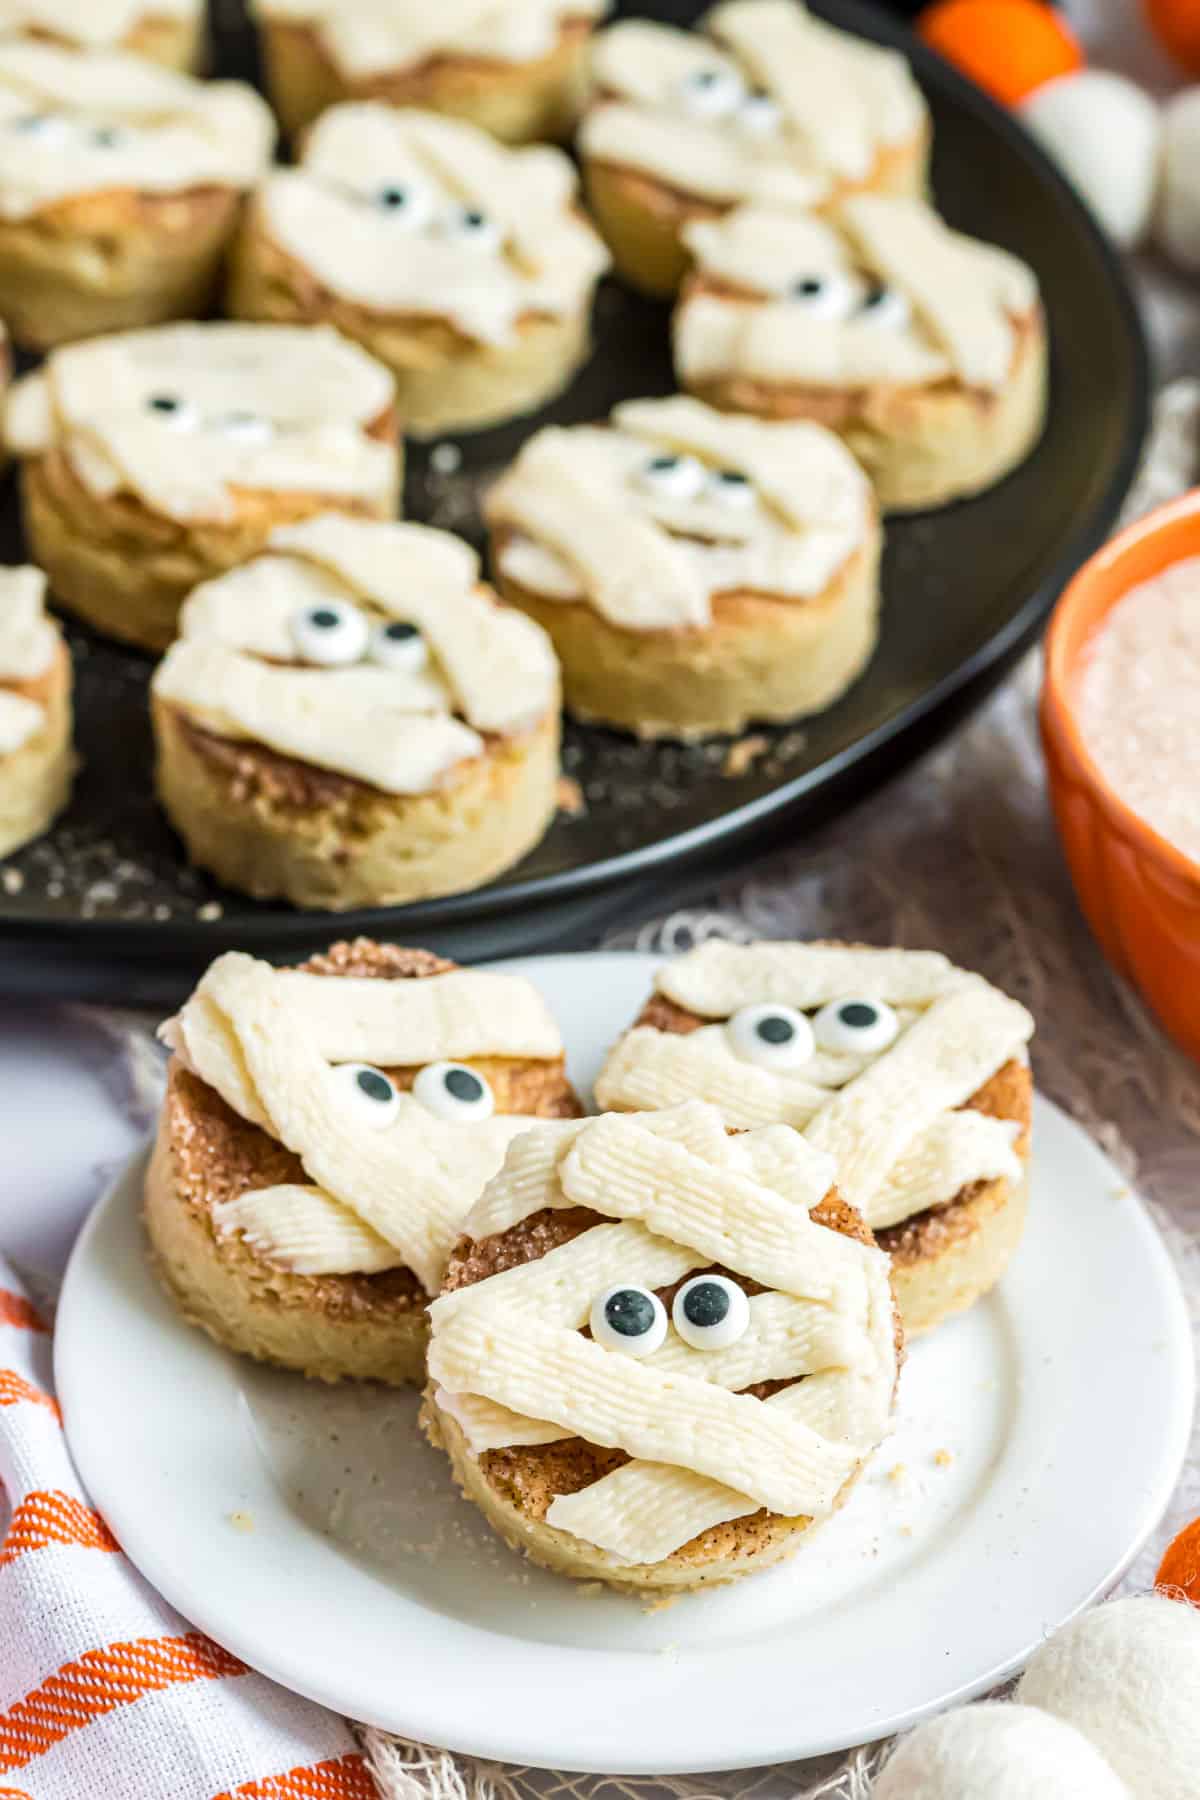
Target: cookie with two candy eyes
{"type": "Point", "coordinates": [121, 185]}
{"type": "Point", "coordinates": [515, 68]}
{"type": "Point", "coordinates": [662, 1351]}
{"type": "Point", "coordinates": [353, 719]}
{"type": "Point", "coordinates": [324, 1133]}
{"type": "Point", "coordinates": [170, 32]}
{"type": "Point", "coordinates": [911, 1073]}
{"type": "Point", "coordinates": [696, 571]}
{"type": "Point", "coordinates": [155, 460]}
{"type": "Point", "coordinates": [465, 266]}
{"type": "Point", "coordinates": [36, 758]}
{"type": "Point", "coordinates": [925, 349]}
{"type": "Point", "coordinates": [765, 104]}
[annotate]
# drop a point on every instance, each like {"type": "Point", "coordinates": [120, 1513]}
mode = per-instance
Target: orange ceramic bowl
{"type": "Point", "coordinates": [1140, 894]}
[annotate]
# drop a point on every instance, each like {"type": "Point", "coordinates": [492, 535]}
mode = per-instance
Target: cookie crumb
{"type": "Point", "coordinates": [898, 1473]}
{"type": "Point", "coordinates": [242, 1521]}
{"type": "Point", "coordinates": [741, 756]}
{"type": "Point", "coordinates": [13, 880]}
{"type": "Point", "coordinates": [943, 1458]}
{"type": "Point", "coordinates": [568, 797]}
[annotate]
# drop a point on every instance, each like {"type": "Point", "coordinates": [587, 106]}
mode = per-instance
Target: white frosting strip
{"type": "Point", "coordinates": [364, 38]}
{"type": "Point", "coordinates": [372, 724]}
{"type": "Point", "coordinates": [693, 159]}
{"type": "Point", "coordinates": [790, 104]}
{"type": "Point", "coordinates": [966, 292]}
{"type": "Point", "coordinates": [252, 408]}
{"type": "Point", "coordinates": [716, 978]}
{"type": "Point", "coordinates": [648, 1069]}
{"type": "Point", "coordinates": [101, 121]}
{"type": "Point", "coordinates": [28, 639]}
{"type": "Point", "coordinates": [630, 570]}
{"type": "Point", "coordinates": [538, 1369]}
{"type": "Point", "coordinates": [540, 257]}
{"type": "Point", "coordinates": [935, 1066]}
{"type": "Point", "coordinates": [499, 665]}
{"type": "Point", "coordinates": [591, 522]}
{"type": "Point", "coordinates": [267, 1041]}
{"type": "Point", "coordinates": [842, 96]}
{"type": "Point", "coordinates": [957, 1149]}
{"type": "Point", "coordinates": [305, 1231]}
{"type": "Point", "coordinates": [20, 720]}
{"type": "Point", "coordinates": [512, 1368]}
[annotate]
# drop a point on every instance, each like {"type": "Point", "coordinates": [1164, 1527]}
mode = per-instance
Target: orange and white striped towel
{"type": "Point", "coordinates": [105, 1693]}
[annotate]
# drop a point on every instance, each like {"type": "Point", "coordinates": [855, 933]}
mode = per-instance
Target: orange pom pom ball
{"type": "Point", "coordinates": [1179, 1572]}
{"type": "Point", "coordinates": [1177, 23]}
{"type": "Point", "coordinates": [1010, 47]}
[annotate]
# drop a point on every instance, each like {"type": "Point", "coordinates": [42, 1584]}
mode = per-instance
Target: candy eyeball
{"type": "Point", "coordinates": [712, 93]}
{"type": "Point", "coordinates": [451, 1091]}
{"type": "Point", "coordinates": [774, 1037]}
{"type": "Point", "coordinates": [405, 203]}
{"type": "Point", "coordinates": [244, 427]}
{"type": "Point", "coordinates": [710, 1312]}
{"type": "Point", "coordinates": [885, 306]}
{"type": "Point", "coordinates": [630, 1319]}
{"type": "Point", "coordinates": [759, 115]}
{"type": "Point", "coordinates": [469, 225]}
{"type": "Point", "coordinates": [333, 634]}
{"type": "Point", "coordinates": [729, 487]}
{"type": "Point", "coordinates": [47, 129]}
{"type": "Point", "coordinates": [830, 296]}
{"type": "Point", "coordinates": [173, 411]}
{"type": "Point", "coordinates": [399, 646]}
{"type": "Point", "coordinates": [669, 477]}
{"type": "Point", "coordinates": [371, 1095]}
{"type": "Point", "coordinates": [865, 1026]}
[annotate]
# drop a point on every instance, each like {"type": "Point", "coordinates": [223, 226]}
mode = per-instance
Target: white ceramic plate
{"type": "Point", "coordinates": [1038, 1442]}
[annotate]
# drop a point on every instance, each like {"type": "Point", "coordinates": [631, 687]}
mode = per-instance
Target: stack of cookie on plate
{"type": "Point", "coordinates": [658, 1343]}
{"type": "Point", "coordinates": [347, 712]}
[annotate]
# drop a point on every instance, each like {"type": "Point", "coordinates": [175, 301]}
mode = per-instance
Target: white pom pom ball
{"type": "Point", "coordinates": [1103, 132]}
{"type": "Point", "coordinates": [1128, 1677]}
{"type": "Point", "coordinates": [1177, 227]}
{"type": "Point", "coordinates": [997, 1752]}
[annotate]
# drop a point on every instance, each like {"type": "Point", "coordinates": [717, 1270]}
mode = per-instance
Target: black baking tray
{"type": "Point", "coordinates": [105, 905]}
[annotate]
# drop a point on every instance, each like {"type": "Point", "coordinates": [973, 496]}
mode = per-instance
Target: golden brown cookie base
{"type": "Point", "coordinates": [946, 1257]}
{"type": "Point", "coordinates": [35, 781]}
{"type": "Point", "coordinates": [515, 1487]}
{"type": "Point", "coordinates": [924, 446]}
{"type": "Point", "coordinates": [520, 103]}
{"type": "Point", "coordinates": [112, 262]}
{"type": "Point", "coordinates": [126, 569]}
{"type": "Point", "coordinates": [329, 1327]}
{"type": "Point", "coordinates": [641, 218]}
{"type": "Point", "coordinates": [276, 828]}
{"type": "Point", "coordinates": [160, 37]}
{"type": "Point", "coordinates": [761, 658]}
{"type": "Point", "coordinates": [445, 381]}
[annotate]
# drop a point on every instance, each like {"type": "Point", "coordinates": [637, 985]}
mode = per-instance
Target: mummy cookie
{"type": "Point", "coordinates": [924, 349]}
{"type": "Point", "coordinates": [164, 31]}
{"type": "Point", "coordinates": [36, 760]}
{"type": "Point", "coordinates": [766, 105]}
{"type": "Point", "coordinates": [155, 460]}
{"type": "Point", "coordinates": [912, 1074]}
{"type": "Point", "coordinates": [120, 188]}
{"type": "Point", "coordinates": [465, 266]}
{"type": "Point", "coordinates": [324, 1134]}
{"type": "Point", "coordinates": [515, 68]}
{"type": "Point", "coordinates": [696, 571]}
{"type": "Point", "coordinates": [352, 719]}
{"type": "Point", "coordinates": [661, 1352]}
